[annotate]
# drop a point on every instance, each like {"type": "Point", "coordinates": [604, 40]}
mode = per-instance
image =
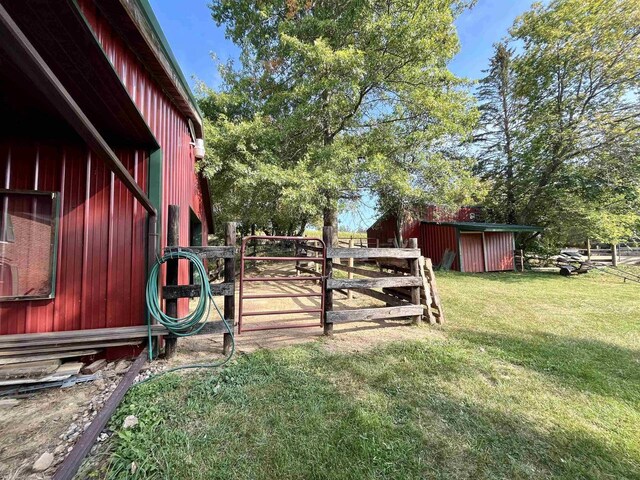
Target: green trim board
{"type": "Point", "coordinates": [487, 227]}
{"type": "Point", "coordinates": [154, 188]}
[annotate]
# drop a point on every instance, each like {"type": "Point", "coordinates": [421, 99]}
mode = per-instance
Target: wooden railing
{"type": "Point", "coordinates": [407, 292]}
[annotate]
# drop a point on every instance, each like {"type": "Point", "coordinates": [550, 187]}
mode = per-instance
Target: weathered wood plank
{"type": "Point", "coordinates": [435, 295]}
{"type": "Point", "coordinates": [335, 283]}
{"type": "Point", "coordinates": [415, 272]}
{"type": "Point", "coordinates": [427, 293]}
{"type": "Point", "coordinates": [213, 327]}
{"type": "Point", "coordinates": [48, 356]}
{"type": "Point", "coordinates": [373, 252]}
{"type": "Point", "coordinates": [171, 292]}
{"type": "Point", "coordinates": [29, 369]}
{"type": "Point", "coordinates": [391, 300]}
{"type": "Point", "coordinates": [206, 252]}
{"type": "Point", "coordinates": [363, 271]}
{"type": "Point", "coordinates": [18, 352]}
{"type": "Point", "coordinates": [365, 314]}
{"type": "Point", "coordinates": [229, 277]}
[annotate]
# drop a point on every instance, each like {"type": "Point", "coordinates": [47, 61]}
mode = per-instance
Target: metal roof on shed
{"type": "Point", "coordinates": [487, 227]}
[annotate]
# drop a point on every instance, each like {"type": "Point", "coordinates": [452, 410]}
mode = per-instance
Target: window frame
{"type": "Point", "coordinates": [53, 265]}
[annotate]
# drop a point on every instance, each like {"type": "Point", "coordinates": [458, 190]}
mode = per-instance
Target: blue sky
{"type": "Point", "coordinates": [194, 37]}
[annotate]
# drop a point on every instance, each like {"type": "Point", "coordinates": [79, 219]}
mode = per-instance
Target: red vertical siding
{"type": "Point", "coordinates": [499, 248]}
{"type": "Point", "coordinates": [102, 232]}
{"type": "Point", "coordinates": [101, 243]}
{"type": "Point", "coordinates": [169, 126]}
{"type": "Point", "coordinates": [471, 252]}
{"type": "Point", "coordinates": [435, 239]}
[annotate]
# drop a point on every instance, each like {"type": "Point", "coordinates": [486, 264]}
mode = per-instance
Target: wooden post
{"type": "Point", "coordinates": [614, 255]}
{"type": "Point", "coordinates": [350, 263]}
{"type": "Point", "coordinates": [377, 243]}
{"type": "Point", "coordinates": [327, 235]}
{"type": "Point", "coordinates": [229, 276]}
{"type": "Point", "coordinates": [521, 260]}
{"type": "Point", "coordinates": [415, 272]}
{"type": "Point", "coordinates": [171, 306]}
{"type": "Point", "coordinates": [589, 249]}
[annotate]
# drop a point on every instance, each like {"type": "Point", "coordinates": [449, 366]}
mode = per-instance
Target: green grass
{"type": "Point", "coordinates": [534, 376]}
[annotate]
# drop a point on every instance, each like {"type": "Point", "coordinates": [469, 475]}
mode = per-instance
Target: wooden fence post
{"type": "Point", "coordinates": [171, 306]}
{"type": "Point", "coordinates": [614, 255]}
{"type": "Point", "coordinates": [229, 276]}
{"type": "Point", "coordinates": [589, 249]}
{"type": "Point", "coordinates": [415, 272]}
{"type": "Point", "coordinates": [350, 263]}
{"type": "Point", "coordinates": [327, 235]}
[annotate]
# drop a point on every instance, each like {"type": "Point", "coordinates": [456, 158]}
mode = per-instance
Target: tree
{"type": "Point", "coordinates": [500, 122]}
{"type": "Point", "coordinates": [579, 75]}
{"type": "Point", "coordinates": [561, 120]}
{"type": "Point", "coordinates": [330, 79]}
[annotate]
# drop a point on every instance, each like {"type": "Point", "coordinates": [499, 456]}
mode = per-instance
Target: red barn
{"type": "Point", "coordinates": [474, 246]}
{"type": "Point", "coordinates": [99, 135]}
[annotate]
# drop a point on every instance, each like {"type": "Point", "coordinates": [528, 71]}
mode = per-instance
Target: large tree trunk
{"type": "Point", "coordinates": [331, 220]}
{"type": "Point", "coordinates": [398, 229]}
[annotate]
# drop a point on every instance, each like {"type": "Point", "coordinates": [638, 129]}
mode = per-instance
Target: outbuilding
{"type": "Point", "coordinates": [99, 136]}
{"type": "Point", "coordinates": [456, 240]}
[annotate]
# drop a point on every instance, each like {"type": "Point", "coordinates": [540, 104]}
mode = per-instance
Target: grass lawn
{"type": "Point", "coordinates": [534, 376]}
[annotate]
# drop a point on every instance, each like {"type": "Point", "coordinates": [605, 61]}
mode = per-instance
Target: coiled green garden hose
{"type": "Point", "coordinates": [195, 320]}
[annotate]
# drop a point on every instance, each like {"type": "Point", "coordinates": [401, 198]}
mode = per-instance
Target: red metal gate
{"type": "Point", "coordinates": [302, 243]}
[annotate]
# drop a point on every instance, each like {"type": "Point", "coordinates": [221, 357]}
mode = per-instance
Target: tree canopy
{"type": "Point", "coordinates": [559, 136]}
{"type": "Point", "coordinates": [334, 97]}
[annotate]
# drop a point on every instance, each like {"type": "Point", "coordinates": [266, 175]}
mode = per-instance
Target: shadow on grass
{"type": "Point", "coordinates": [586, 365]}
{"type": "Point", "coordinates": [300, 413]}
{"type": "Point", "coordinates": [511, 277]}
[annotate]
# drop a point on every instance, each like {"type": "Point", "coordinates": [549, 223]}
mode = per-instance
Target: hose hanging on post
{"type": "Point", "coordinates": [192, 323]}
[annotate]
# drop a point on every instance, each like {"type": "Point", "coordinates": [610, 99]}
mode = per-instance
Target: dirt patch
{"type": "Point", "coordinates": [349, 337]}
{"type": "Point", "coordinates": [50, 421]}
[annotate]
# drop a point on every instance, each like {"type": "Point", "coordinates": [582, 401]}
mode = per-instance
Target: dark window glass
{"type": "Point", "coordinates": [28, 234]}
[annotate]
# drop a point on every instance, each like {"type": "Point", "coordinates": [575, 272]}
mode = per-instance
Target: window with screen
{"type": "Point", "coordinates": [28, 238]}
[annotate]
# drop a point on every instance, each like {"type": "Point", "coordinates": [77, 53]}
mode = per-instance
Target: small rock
{"type": "Point", "coordinates": [130, 421]}
{"type": "Point", "coordinates": [100, 383]}
{"type": "Point", "coordinates": [122, 366]}
{"type": "Point", "coordinates": [134, 468]}
{"type": "Point", "coordinates": [59, 450]}
{"type": "Point", "coordinates": [44, 462]}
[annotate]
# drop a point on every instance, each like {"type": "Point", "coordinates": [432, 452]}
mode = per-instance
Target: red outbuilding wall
{"type": "Point", "coordinates": [471, 252]}
{"type": "Point", "coordinates": [435, 239]}
{"type": "Point", "coordinates": [384, 229]}
{"type": "Point", "coordinates": [499, 248]}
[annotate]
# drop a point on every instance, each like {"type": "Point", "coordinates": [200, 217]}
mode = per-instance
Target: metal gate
{"type": "Point", "coordinates": [298, 243]}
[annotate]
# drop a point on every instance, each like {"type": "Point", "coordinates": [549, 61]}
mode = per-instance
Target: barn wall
{"type": "Point", "coordinates": [180, 184]}
{"type": "Point", "coordinates": [384, 228]}
{"type": "Point", "coordinates": [101, 270]}
{"type": "Point", "coordinates": [499, 247]}
{"type": "Point", "coordinates": [435, 239]}
{"type": "Point", "coordinates": [102, 237]}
